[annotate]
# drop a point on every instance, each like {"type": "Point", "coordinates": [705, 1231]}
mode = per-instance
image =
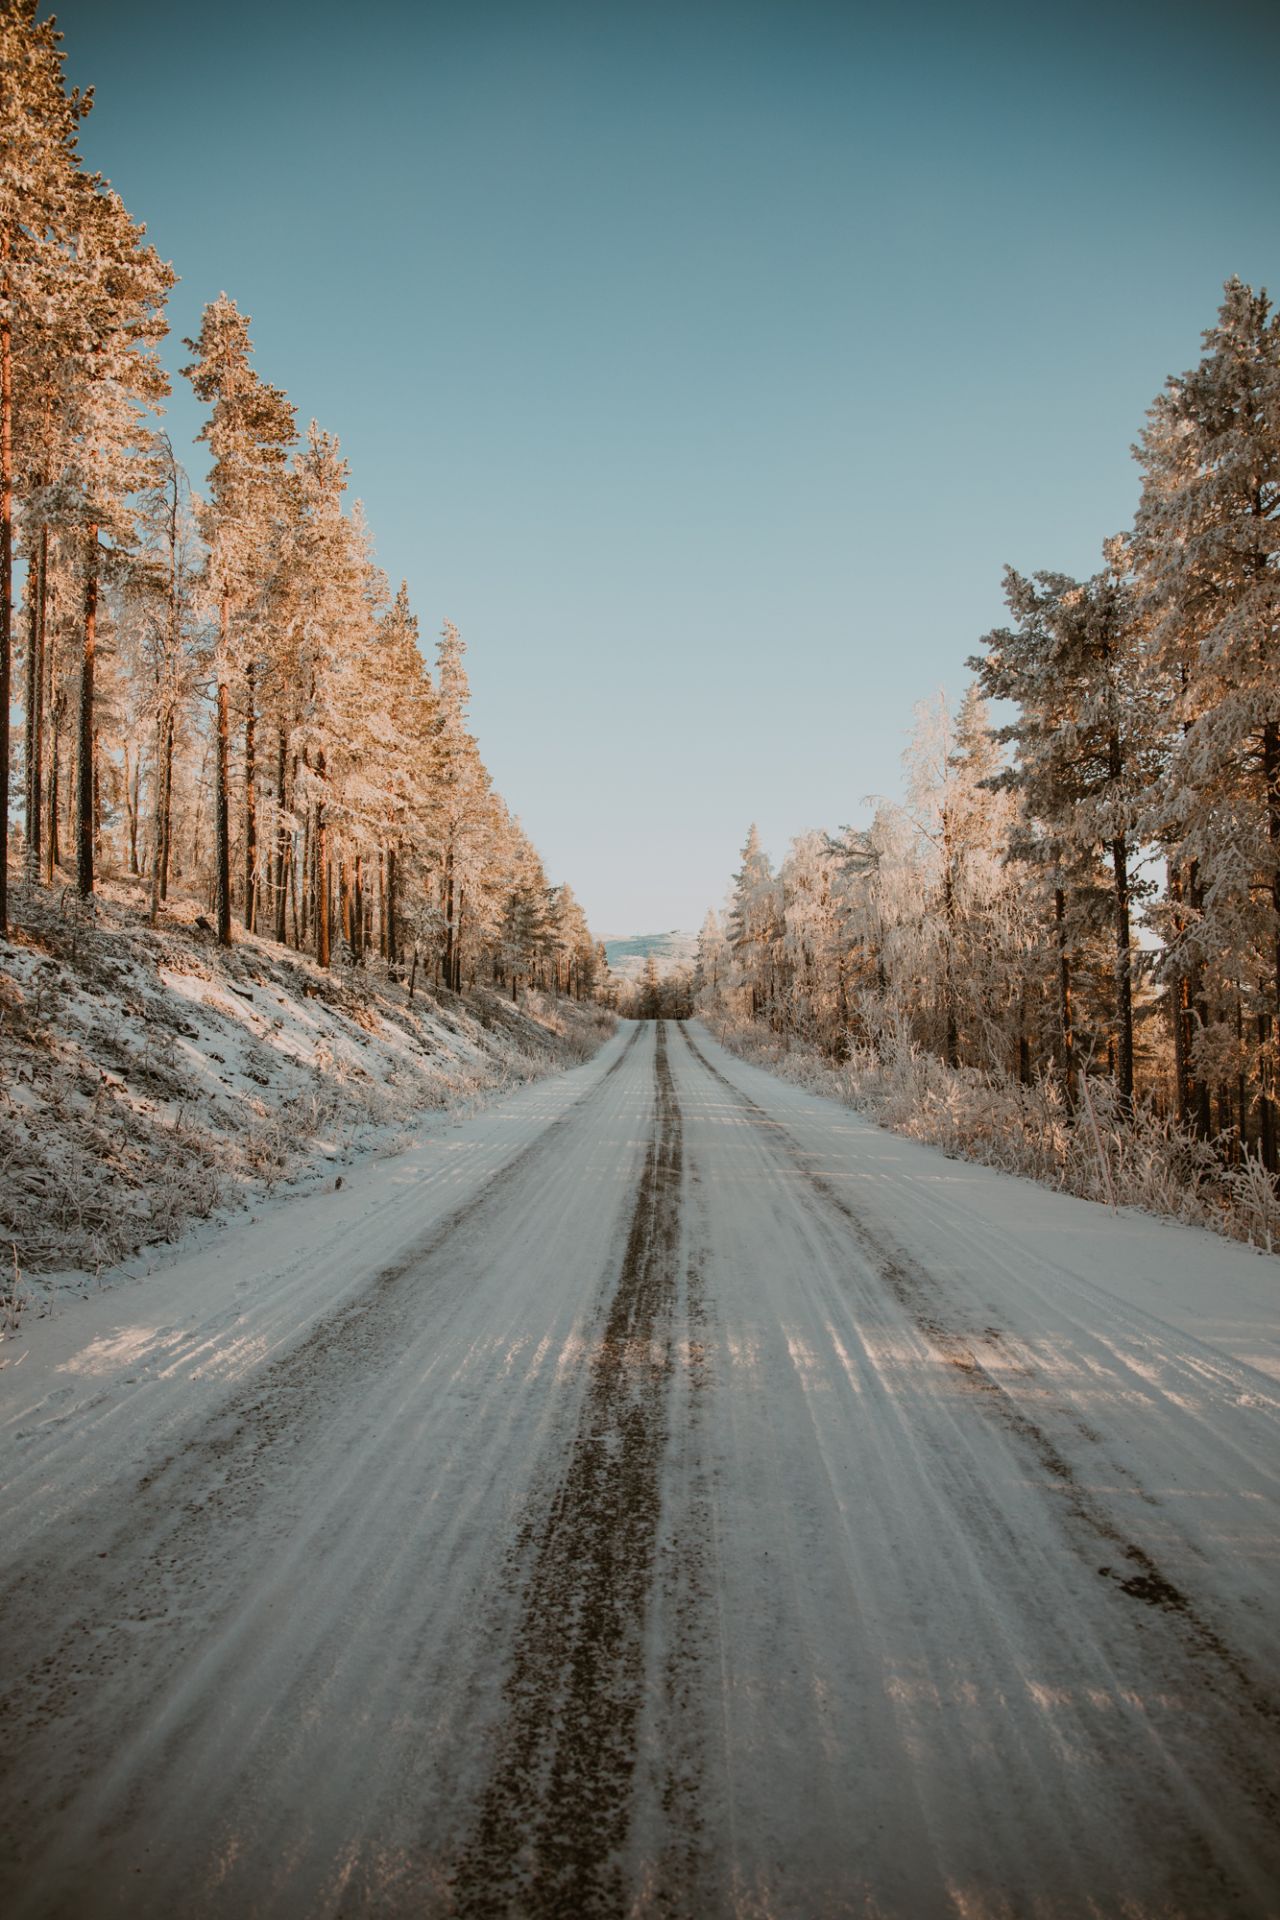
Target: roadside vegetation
{"type": "Point", "coordinates": [1061, 954]}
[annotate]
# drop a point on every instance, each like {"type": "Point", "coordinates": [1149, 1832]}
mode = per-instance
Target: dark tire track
{"type": "Point", "coordinates": [555, 1812]}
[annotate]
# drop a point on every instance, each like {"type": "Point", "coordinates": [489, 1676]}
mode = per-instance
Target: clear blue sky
{"type": "Point", "coordinates": [705, 363]}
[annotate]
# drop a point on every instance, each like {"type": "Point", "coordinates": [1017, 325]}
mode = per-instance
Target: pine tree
{"type": "Point", "coordinates": [39, 122]}
{"type": "Point", "coordinates": [1084, 754]}
{"type": "Point", "coordinates": [460, 798]}
{"type": "Point", "coordinates": [249, 433]}
{"type": "Point", "coordinates": [400, 714]}
{"type": "Point", "coordinates": [753, 925]}
{"type": "Point", "coordinates": [711, 963]}
{"type": "Point", "coordinates": [114, 380]}
{"type": "Point", "coordinates": [1207, 556]}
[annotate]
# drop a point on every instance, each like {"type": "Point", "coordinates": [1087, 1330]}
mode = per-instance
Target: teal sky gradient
{"type": "Point", "coordinates": [705, 363]}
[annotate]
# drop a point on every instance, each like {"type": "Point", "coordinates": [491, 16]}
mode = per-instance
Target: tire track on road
{"type": "Point", "coordinates": [162, 1569]}
{"type": "Point", "coordinates": [556, 1810]}
{"type": "Point", "coordinates": [1128, 1568]}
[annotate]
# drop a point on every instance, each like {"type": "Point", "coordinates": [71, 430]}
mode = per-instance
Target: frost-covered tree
{"type": "Point", "coordinates": [40, 183]}
{"type": "Point", "coordinates": [249, 432]}
{"type": "Point", "coordinates": [364, 808]}
{"type": "Point", "coordinates": [1085, 744]}
{"type": "Point", "coordinates": [461, 807]}
{"type": "Point", "coordinates": [121, 293]}
{"type": "Point", "coordinates": [399, 719]}
{"type": "Point", "coordinates": [753, 924]}
{"type": "Point", "coordinates": [711, 964]}
{"type": "Point", "coordinates": [1207, 556]}
{"type": "Point", "coordinates": [160, 635]}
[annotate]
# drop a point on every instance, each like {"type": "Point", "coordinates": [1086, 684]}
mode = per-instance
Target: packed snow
{"type": "Point", "coordinates": [663, 1491]}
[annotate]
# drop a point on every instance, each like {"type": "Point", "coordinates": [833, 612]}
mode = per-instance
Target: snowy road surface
{"type": "Point", "coordinates": [662, 1494]}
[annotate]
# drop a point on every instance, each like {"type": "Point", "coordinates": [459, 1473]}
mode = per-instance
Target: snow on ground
{"type": "Point", "coordinates": [148, 1078]}
{"type": "Point", "coordinates": [662, 1492]}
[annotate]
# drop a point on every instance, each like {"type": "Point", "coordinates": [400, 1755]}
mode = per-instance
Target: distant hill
{"type": "Point", "coordinates": [671, 950]}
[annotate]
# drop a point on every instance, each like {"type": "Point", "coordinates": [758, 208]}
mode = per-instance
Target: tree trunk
{"type": "Point", "coordinates": [166, 815]}
{"type": "Point", "coordinates": [302, 887]}
{"type": "Point", "coordinates": [1266, 1111]}
{"type": "Point", "coordinates": [1064, 996]}
{"type": "Point", "coordinates": [1180, 1010]}
{"type": "Point", "coordinates": [1271, 770]}
{"type": "Point", "coordinates": [392, 942]}
{"type": "Point", "coordinates": [1123, 972]}
{"type": "Point", "coordinates": [97, 794]}
{"type": "Point", "coordinates": [34, 702]}
{"type": "Point", "coordinates": [448, 918]}
{"type": "Point", "coordinates": [221, 785]}
{"type": "Point", "coordinates": [321, 904]}
{"type": "Point", "coordinates": [53, 850]}
{"type": "Point", "coordinates": [357, 913]}
{"type": "Point", "coordinates": [279, 904]}
{"type": "Point", "coordinates": [222, 818]}
{"type": "Point", "coordinates": [457, 944]}
{"type": "Point", "coordinates": [85, 737]}
{"type": "Point", "coordinates": [6, 569]}
{"type": "Point", "coordinates": [948, 968]}
{"type": "Point", "coordinates": [1199, 1014]}
{"type": "Point", "coordinates": [161, 814]}
{"type": "Point", "coordinates": [250, 806]}
{"type": "Point", "coordinates": [131, 809]}
{"type": "Point", "coordinates": [1242, 1098]}
{"type": "Point", "coordinates": [293, 893]}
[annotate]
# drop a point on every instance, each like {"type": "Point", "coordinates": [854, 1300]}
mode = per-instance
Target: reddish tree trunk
{"type": "Point", "coordinates": [6, 573]}
{"type": "Point", "coordinates": [250, 808]}
{"type": "Point", "coordinates": [35, 706]}
{"type": "Point", "coordinates": [85, 768]}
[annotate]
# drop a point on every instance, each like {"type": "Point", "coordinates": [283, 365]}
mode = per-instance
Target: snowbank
{"type": "Point", "coordinates": [148, 1078]}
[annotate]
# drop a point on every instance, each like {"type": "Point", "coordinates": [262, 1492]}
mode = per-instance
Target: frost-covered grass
{"type": "Point", "coordinates": [148, 1079]}
{"type": "Point", "coordinates": [1133, 1160]}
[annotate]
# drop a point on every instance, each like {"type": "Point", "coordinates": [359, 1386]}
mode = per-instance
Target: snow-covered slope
{"type": "Point", "coordinates": [146, 1077]}
{"type": "Point", "coordinates": [672, 951]}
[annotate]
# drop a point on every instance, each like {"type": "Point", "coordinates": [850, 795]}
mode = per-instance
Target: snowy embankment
{"type": "Point", "coordinates": [1132, 1160]}
{"type": "Point", "coordinates": [147, 1078]}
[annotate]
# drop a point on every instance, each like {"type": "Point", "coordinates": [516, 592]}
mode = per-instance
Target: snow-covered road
{"type": "Point", "coordinates": [663, 1493]}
